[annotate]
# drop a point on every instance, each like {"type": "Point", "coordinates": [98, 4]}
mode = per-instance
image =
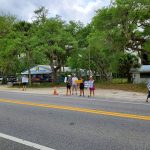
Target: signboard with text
{"type": "Point", "coordinates": [86, 84]}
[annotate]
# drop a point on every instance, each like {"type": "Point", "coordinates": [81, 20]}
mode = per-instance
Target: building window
{"type": "Point", "coordinates": [144, 75]}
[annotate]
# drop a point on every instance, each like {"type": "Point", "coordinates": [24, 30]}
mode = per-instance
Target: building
{"type": "Point", "coordinates": [39, 73]}
{"type": "Point", "coordinates": [43, 73]}
{"type": "Point", "coordinates": [141, 75]}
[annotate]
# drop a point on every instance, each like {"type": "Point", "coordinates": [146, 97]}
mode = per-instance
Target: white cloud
{"type": "Point", "coordinates": [82, 10]}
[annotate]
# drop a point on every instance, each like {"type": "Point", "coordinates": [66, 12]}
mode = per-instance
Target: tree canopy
{"type": "Point", "coordinates": [101, 47]}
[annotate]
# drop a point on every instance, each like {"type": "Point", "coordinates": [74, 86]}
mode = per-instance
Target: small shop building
{"type": "Point", "coordinates": [141, 75]}
{"type": "Point", "coordinates": [39, 73]}
{"type": "Point", "coordinates": [43, 73]}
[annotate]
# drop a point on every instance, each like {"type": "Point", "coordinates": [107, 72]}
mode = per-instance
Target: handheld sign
{"type": "Point", "coordinates": [65, 80]}
{"type": "Point", "coordinates": [86, 84]}
{"type": "Point", "coordinates": [78, 81]}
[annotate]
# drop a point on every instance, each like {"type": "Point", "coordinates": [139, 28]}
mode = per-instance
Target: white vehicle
{"type": "Point", "coordinates": [1, 78]}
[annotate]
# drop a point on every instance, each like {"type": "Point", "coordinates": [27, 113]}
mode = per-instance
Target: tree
{"type": "Point", "coordinates": [100, 55]}
{"type": "Point", "coordinates": [29, 54]}
{"type": "Point", "coordinates": [7, 50]}
{"type": "Point", "coordinates": [56, 43]}
{"type": "Point", "coordinates": [126, 23]}
{"type": "Point", "coordinates": [23, 31]}
{"type": "Point", "coordinates": [40, 15]}
{"type": "Point", "coordinates": [126, 62]}
{"type": "Point", "coordinates": [79, 58]}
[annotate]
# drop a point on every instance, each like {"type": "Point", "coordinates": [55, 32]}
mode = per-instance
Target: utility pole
{"type": "Point", "coordinates": [89, 63]}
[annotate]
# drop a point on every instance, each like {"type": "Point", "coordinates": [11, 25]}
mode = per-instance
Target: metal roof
{"type": "Point", "coordinates": [142, 69]}
{"type": "Point", "coordinates": [40, 69]}
{"type": "Point", "coordinates": [44, 69]}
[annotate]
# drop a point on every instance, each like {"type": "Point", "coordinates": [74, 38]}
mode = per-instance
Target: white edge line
{"type": "Point", "coordinates": [24, 142]}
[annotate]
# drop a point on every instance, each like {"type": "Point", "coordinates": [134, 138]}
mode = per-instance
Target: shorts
{"type": "Point", "coordinates": [68, 86]}
{"type": "Point", "coordinates": [92, 89]}
{"type": "Point", "coordinates": [81, 86]}
{"type": "Point", "coordinates": [24, 83]}
{"type": "Point", "coordinates": [74, 86]}
{"type": "Point", "coordinates": [148, 94]}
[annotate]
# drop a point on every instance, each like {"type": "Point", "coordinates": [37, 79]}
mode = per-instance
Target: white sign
{"type": "Point", "coordinates": [86, 84]}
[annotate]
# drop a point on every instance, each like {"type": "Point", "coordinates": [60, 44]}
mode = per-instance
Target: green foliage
{"type": "Point", "coordinates": [126, 62]}
{"type": "Point", "coordinates": [40, 15]}
{"type": "Point", "coordinates": [56, 43]}
{"type": "Point", "coordinates": [98, 46]}
{"type": "Point", "coordinates": [125, 24]}
{"type": "Point", "coordinates": [79, 59]}
{"type": "Point", "coordinates": [7, 49]}
{"type": "Point", "coordinates": [120, 81]}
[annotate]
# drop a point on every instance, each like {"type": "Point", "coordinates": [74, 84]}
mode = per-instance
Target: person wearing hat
{"type": "Point", "coordinates": [68, 85]}
{"type": "Point", "coordinates": [91, 86]}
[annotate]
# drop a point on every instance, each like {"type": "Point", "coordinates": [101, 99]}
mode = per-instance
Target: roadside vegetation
{"type": "Point", "coordinates": [123, 86]}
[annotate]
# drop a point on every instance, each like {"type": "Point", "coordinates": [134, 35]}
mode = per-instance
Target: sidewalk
{"type": "Point", "coordinates": [99, 93]}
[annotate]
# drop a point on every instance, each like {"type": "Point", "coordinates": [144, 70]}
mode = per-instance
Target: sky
{"type": "Point", "coordinates": [77, 10]}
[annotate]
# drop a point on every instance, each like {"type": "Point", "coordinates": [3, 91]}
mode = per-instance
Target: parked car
{"type": "Point", "coordinates": [11, 79]}
{"type": "Point", "coordinates": [1, 78]}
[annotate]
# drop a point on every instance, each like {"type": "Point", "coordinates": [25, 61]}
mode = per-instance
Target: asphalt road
{"type": "Point", "coordinates": [73, 123]}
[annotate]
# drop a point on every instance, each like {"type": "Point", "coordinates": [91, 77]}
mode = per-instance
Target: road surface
{"type": "Point", "coordinates": [31, 121]}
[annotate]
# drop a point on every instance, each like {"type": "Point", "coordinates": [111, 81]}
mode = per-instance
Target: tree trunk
{"type": "Point", "coordinates": [29, 75]}
{"type": "Point", "coordinates": [4, 81]}
{"type": "Point", "coordinates": [55, 75]}
{"type": "Point", "coordinates": [129, 78]}
{"type": "Point", "coordinates": [54, 72]}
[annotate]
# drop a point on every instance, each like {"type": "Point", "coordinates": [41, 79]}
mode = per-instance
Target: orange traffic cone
{"type": "Point", "coordinates": [55, 91]}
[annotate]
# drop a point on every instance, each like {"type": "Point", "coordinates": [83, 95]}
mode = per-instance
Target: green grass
{"type": "Point", "coordinates": [123, 86]}
{"type": "Point", "coordinates": [120, 80]}
{"type": "Point", "coordinates": [117, 85]}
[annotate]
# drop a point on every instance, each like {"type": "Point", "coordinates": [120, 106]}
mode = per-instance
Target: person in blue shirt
{"type": "Point", "coordinates": [148, 87]}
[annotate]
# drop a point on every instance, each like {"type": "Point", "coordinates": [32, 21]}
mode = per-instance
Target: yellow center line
{"type": "Point", "coordinates": [78, 109]}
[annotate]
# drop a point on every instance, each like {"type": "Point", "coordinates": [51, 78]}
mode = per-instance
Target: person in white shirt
{"type": "Point", "coordinates": [91, 86]}
{"type": "Point", "coordinates": [74, 84]}
{"type": "Point", "coordinates": [25, 81]}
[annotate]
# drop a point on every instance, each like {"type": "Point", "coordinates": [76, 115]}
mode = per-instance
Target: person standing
{"type": "Point", "coordinates": [91, 86]}
{"type": "Point", "coordinates": [25, 81]}
{"type": "Point", "coordinates": [148, 87]}
{"type": "Point", "coordinates": [74, 84]}
{"type": "Point", "coordinates": [68, 85]}
{"type": "Point", "coordinates": [81, 87]}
